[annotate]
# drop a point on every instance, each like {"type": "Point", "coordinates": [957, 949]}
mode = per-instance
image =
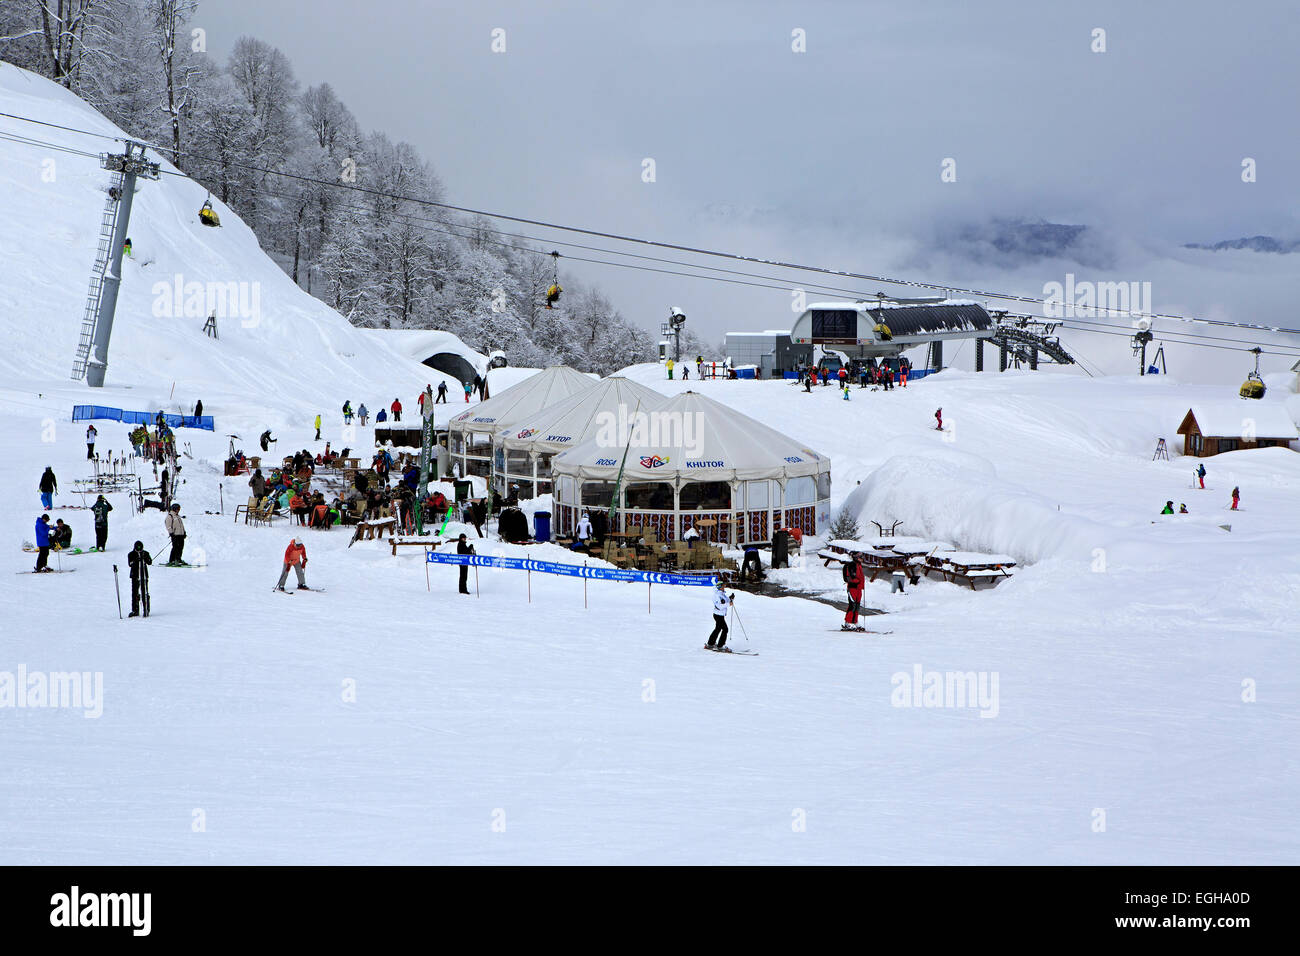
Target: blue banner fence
{"type": "Point", "coordinates": [627, 575]}
{"type": "Point", "coordinates": [84, 413]}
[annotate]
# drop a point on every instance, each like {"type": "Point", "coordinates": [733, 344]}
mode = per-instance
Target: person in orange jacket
{"type": "Point", "coordinates": [295, 556]}
{"type": "Point", "coordinates": [396, 409]}
{"type": "Point", "coordinates": [299, 508]}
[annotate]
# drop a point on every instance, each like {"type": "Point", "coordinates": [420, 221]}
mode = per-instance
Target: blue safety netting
{"type": "Point", "coordinates": [82, 413]}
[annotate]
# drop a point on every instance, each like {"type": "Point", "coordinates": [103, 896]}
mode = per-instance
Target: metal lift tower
{"type": "Point", "coordinates": [101, 301]}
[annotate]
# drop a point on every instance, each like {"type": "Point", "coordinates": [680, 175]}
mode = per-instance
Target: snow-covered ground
{"type": "Point", "coordinates": [1139, 675]}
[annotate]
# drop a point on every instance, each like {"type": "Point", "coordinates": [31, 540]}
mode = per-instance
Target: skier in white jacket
{"type": "Point", "coordinates": [176, 530]}
{"type": "Point", "coordinates": [584, 528]}
{"type": "Point", "coordinates": [721, 605]}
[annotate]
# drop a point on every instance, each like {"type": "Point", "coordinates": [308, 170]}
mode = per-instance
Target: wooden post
{"type": "Point", "coordinates": [529, 572]}
{"type": "Point", "coordinates": [648, 585]}
{"type": "Point", "coordinates": [427, 586]}
{"type": "Point", "coordinates": [584, 588]}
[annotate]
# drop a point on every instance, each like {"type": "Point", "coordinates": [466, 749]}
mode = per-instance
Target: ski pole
{"type": "Point", "coordinates": [118, 589]}
{"type": "Point", "coordinates": [221, 498]}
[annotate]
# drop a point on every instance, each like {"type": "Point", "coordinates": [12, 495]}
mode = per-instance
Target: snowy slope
{"type": "Point", "coordinates": [386, 721]}
{"type": "Point", "coordinates": [286, 359]}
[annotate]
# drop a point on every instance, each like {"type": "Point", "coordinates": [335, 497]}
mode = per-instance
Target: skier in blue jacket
{"type": "Point", "coordinates": [42, 542]}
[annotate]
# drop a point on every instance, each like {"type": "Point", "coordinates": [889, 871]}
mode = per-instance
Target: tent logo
{"type": "Point", "coordinates": [527, 433]}
{"type": "Point", "coordinates": [706, 464]}
{"type": "Point", "coordinates": [653, 461]}
{"type": "Point", "coordinates": [559, 438]}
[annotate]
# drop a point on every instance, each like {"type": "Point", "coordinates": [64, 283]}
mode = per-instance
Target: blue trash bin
{"type": "Point", "coordinates": [542, 525]}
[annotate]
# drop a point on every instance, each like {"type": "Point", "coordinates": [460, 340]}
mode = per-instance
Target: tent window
{"type": "Point", "coordinates": [597, 493]}
{"type": "Point", "coordinates": [800, 491]}
{"type": "Point", "coordinates": [823, 486]}
{"type": "Point", "coordinates": [457, 443]}
{"type": "Point", "coordinates": [649, 496]}
{"type": "Point", "coordinates": [544, 463]}
{"type": "Point", "coordinates": [517, 462]}
{"type": "Point", "coordinates": [706, 496]}
{"type": "Point", "coordinates": [567, 490]}
{"type": "Point", "coordinates": [756, 496]}
{"type": "Point", "coordinates": [480, 444]}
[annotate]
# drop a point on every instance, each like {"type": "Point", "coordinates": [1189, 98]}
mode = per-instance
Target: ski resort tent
{"type": "Point", "coordinates": [472, 434]}
{"type": "Point", "coordinates": [1213, 429]}
{"type": "Point", "coordinates": [695, 462]}
{"type": "Point", "coordinates": [522, 455]}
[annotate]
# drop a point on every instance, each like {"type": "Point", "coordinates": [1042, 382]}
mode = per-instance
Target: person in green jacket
{"type": "Point", "coordinates": [1169, 508]}
{"type": "Point", "coordinates": [100, 509]}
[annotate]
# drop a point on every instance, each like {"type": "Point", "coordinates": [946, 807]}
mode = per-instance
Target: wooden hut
{"type": "Point", "coordinates": [1213, 429]}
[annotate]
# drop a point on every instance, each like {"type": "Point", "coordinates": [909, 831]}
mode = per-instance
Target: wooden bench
{"type": "Point", "coordinates": [399, 543]}
{"type": "Point", "coordinates": [375, 529]}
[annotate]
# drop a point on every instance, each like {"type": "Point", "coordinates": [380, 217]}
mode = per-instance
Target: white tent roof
{"type": "Point", "coordinates": [1234, 419]}
{"type": "Point", "coordinates": [575, 419]}
{"type": "Point", "coordinates": [520, 401]}
{"type": "Point", "coordinates": [696, 439]}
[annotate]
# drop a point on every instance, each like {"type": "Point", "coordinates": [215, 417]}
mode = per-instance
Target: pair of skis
{"type": "Point", "coordinates": [731, 650]}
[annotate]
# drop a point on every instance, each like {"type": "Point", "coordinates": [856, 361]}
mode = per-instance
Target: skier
{"type": "Point", "coordinates": [347, 412]}
{"type": "Point", "coordinates": [397, 409]}
{"type": "Point", "coordinates": [809, 380]}
{"type": "Point", "coordinates": [904, 366]}
{"type": "Point", "coordinates": [126, 248]}
{"type": "Point", "coordinates": [90, 442]}
{"type": "Point", "coordinates": [464, 547]}
{"type": "Point", "coordinates": [42, 543]}
{"type": "Point", "coordinates": [295, 556]}
{"type": "Point", "coordinates": [363, 413]}
{"type": "Point", "coordinates": [442, 393]}
{"type": "Point", "coordinates": [198, 409]}
{"type": "Point", "coordinates": [938, 419]}
{"type": "Point", "coordinates": [318, 426]}
{"type": "Point", "coordinates": [176, 531]}
{"type": "Point", "coordinates": [843, 376]}
{"type": "Point", "coordinates": [381, 417]}
{"type": "Point", "coordinates": [61, 536]}
{"type": "Point", "coordinates": [584, 528]}
{"type": "Point", "coordinates": [138, 561]}
{"type": "Point", "coordinates": [101, 508]}
{"type": "Point", "coordinates": [887, 377]}
{"type": "Point", "coordinates": [854, 580]}
{"type": "Point", "coordinates": [1236, 497]}
{"type": "Point", "coordinates": [863, 377]}
{"type": "Point", "coordinates": [1182, 509]}
{"type": "Point", "coordinates": [266, 439]}
{"type": "Point", "coordinates": [846, 391]}
{"type": "Point", "coordinates": [670, 370]}
{"type": "Point", "coordinates": [469, 387]}
{"type": "Point", "coordinates": [165, 488]}
{"type": "Point", "coordinates": [1200, 474]}
{"type": "Point", "coordinates": [721, 605]}
{"type": "Point", "coordinates": [426, 399]}
{"type": "Point", "coordinates": [49, 487]}
{"type": "Point", "coordinates": [686, 373]}
{"type": "Point", "coordinates": [1168, 509]}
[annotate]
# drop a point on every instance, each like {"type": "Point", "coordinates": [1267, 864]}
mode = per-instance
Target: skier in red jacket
{"type": "Point", "coordinates": [938, 418]}
{"type": "Point", "coordinates": [396, 409]}
{"type": "Point", "coordinates": [295, 556]}
{"type": "Point", "coordinates": [855, 580]}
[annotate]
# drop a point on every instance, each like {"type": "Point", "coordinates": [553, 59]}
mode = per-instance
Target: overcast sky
{"type": "Point", "coordinates": [833, 156]}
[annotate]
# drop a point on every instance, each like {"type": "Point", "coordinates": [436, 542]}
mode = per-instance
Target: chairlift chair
{"type": "Point", "coordinates": [207, 215]}
{"type": "Point", "coordinates": [1253, 387]}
